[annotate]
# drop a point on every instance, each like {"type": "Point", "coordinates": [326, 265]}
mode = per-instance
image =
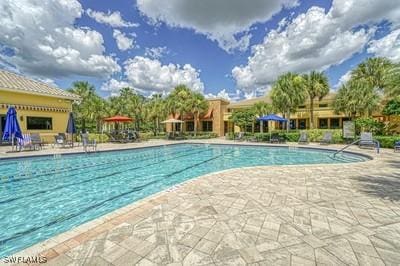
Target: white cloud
{"type": "Point", "coordinates": [114, 86]}
{"type": "Point", "coordinates": [227, 22]}
{"type": "Point", "coordinates": [343, 79]}
{"type": "Point", "coordinates": [46, 43]}
{"type": "Point", "coordinates": [149, 75]}
{"type": "Point", "coordinates": [156, 52]}
{"type": "Point", "coordinates": [314, 40]}
{"type": "Point", "coordinates": [388, 46]}
{"type": "Point", "coordinates": [123, 42]}
{"type": "Point", "coordinates": [230, 96]}
{"type": "Point", "coordinates": [114, 19]}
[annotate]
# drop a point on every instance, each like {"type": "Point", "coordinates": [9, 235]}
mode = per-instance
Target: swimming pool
{"type": "Point", "coordinates": [43, 196]}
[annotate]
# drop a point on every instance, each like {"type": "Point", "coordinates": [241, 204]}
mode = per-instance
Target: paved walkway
{"type": "Point", "coordinates": [347, 214]}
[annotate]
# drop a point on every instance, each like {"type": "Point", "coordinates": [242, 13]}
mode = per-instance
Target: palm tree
{"type": "Point", "coordinates": [287, 93]}
{"type": "Point", "coordinates": [84, 110]}
{"type": "Point", "coordinates": [178, 101]}
{"type": "Point", "coordinates": [392, 81]}
{"type": "Point", "coordinates": [357, 97]}
{"type": "Point", "coordinates": [374, 71]}
{"type": "Point", "coordinates": [155, 110]}
{"type": "Point", "coordinates": [260, 109]}
{"type": "Point", "coordinates": [197, 104]}
{"type": "Point", "coordinates": [317, 86]}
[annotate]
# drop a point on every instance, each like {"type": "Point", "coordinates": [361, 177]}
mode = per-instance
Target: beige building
{"type": "Point", "coordinates": [216, 119]}
{"type": "Point", "coordinates": [40, 108]}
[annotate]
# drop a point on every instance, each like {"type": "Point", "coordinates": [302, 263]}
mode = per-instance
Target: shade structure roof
{"type": "Point", "coordinates": [118, 118]}
{"type": "Point", "coordinates": [172, 120]}
{"type": "Point", "coordinates": [272, 117]}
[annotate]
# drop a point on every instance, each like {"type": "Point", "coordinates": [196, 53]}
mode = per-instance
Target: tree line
{"type": "Point", "coordinates": [374, 85]}
{"type": "Point", "coordinates": [147, 112]}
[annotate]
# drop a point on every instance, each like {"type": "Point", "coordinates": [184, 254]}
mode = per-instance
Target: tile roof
{"type": "Point", "coordinates": [14, 82]}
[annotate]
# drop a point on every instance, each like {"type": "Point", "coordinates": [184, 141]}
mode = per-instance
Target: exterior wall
{"type": "Point", "coordinates": [219, 108]}
{"type": "Point", "coordinates": [36, 105]}
{"type": "Point", "coordinates": [303, 112]}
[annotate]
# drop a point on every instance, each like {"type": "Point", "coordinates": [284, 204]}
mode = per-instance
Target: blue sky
{"type": "Point", "coordinates": [227, 48]}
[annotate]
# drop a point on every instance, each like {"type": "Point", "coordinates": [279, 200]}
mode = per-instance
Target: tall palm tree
{"type": "Point", "coordinates": [374, 71]}
{"type": "Point", "coordinates": [317, 86]}
{"type": "Point", "coordinates": [84, 110]}
{"type": "Point", "coordinates": [357, 97]}
{"type": "Point", "coordinates": [197, 104]}
{"type": "Point", "coordinates": [155, 110]}
{"type": "Point", "coordinates": [178, 101]}
{"type": "Point", "coordinates": [260, 109]}
{"type": "Point", "coordinates": [287, 93]}
{"type": "Point", "coordinates": [392, 81]}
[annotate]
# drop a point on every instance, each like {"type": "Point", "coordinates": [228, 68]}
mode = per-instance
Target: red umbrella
{"type": "Point", "coordinates": [118, 119]}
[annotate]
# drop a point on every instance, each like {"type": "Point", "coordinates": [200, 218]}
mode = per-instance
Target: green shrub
{"type": "Point", "coordinates": [387, 141]}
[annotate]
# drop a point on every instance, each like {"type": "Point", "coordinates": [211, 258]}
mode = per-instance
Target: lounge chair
{"type": "Point", "coordinates": [179, 136]}
{"type": "Point", "coordinates": [86, 143]}
{"type": "Point", "coordinates": [327, 138]}
{"type": "Point", "coordinates": [397, 146]}
{"type": "Point", "coordinates": [366, 141]}
{"type": "Point", "coordinates": [61, 140]}
{"type": "Point", "coordinates": [37, 141]}
{"type": "Point", "coordinates": [275, 138]}
{"type": "Point", "coordinates": [303, 138]}
{"type": "Point", "coordinates": [118, 138]}
{"type": "Point", "coordinates": [25, 142]}
{"type": "Point", "coordinates": [240, 136]}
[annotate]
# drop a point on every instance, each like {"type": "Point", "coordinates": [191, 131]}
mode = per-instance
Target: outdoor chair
{"type": "Point", "coordinates": [326, 139]}
{"type": "Point", "coordinates": [274, 138]}
{"type": "Point", "coordinates": [366, 141]}
{"type": "Point", "coordinates": [61, 140]}
{"type": "Point", "coordinates": [116, 138]}
{"type": "Point", "coordinates": [397, 146]}
{"type": "Point", "coordinates": [240, 136]}
{"type": "Point", "coordinates": [86, 143]}
{"type": "Point", "coordinates": [25, 142]}
{"type": "Point", "coordinates": [303, 138]}
{"type": "Point", "coordinates": [37, 141]}
{"type": "Point", "coordinates": [179, 136]}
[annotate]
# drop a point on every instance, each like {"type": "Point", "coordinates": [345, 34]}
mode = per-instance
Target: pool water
{"type": "Point", "coordinates": [44, 196]}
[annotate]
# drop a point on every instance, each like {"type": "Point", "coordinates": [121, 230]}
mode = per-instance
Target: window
{"type": "Point", "coordinates": [302, 124]}
{"type": "Point", "coordinates": [190, 126]}
{"type": "Point", "coordinates": [207, 126]}
{"type": "Point", "coordinates": [335, 123]}
{"type": "Point", "coordinates": [41, 123]}
{"type": "Point", "coordinates": [292, 124]}
{"type": "Point", "coordinates": [302, 106]}
{"type": "Point", "coordinates": [323, 105]}
{"type": "Point", "coordinates": [323, 123]}
{"type": "Point", "coordinates": [178, 126]}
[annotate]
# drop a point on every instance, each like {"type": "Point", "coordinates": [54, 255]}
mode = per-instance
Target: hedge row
{"type": "Point", "coordinates": [314, 135]}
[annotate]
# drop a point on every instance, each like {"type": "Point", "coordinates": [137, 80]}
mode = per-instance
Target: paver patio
{"type": "Point", "coordinates": [344, 214]}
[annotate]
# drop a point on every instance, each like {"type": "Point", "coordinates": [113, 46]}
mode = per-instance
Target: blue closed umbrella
{"type": "Point", "coordinates": [71, 128]}
{"type": "Point", "coordinates": [12, 129]}
{"type": "Point", "coordinates": [272, 117]}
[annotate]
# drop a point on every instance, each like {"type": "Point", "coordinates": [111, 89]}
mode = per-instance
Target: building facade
{"type": "Point", "coordinates": [216, 119]}
{"type": "Point", "coordinates": [324, 114]}
{"type": "Point", "coordinates": [40, 108]}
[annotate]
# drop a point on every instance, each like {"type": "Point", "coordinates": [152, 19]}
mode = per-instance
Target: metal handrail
{"type": "Point", "coordinates": [377, 146]}
{"type": "Point", "coordinates": [345, 147]}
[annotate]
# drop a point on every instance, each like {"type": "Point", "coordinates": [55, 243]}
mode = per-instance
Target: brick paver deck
{"type": "Point", "coordinates": [344, 214]}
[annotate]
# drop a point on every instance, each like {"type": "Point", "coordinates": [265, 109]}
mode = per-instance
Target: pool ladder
{"type": "Point", "coordinates": [377, 146]}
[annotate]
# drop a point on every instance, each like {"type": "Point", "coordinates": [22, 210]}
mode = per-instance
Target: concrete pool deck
{"type": "Point", "coordinates": [344, 214]}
